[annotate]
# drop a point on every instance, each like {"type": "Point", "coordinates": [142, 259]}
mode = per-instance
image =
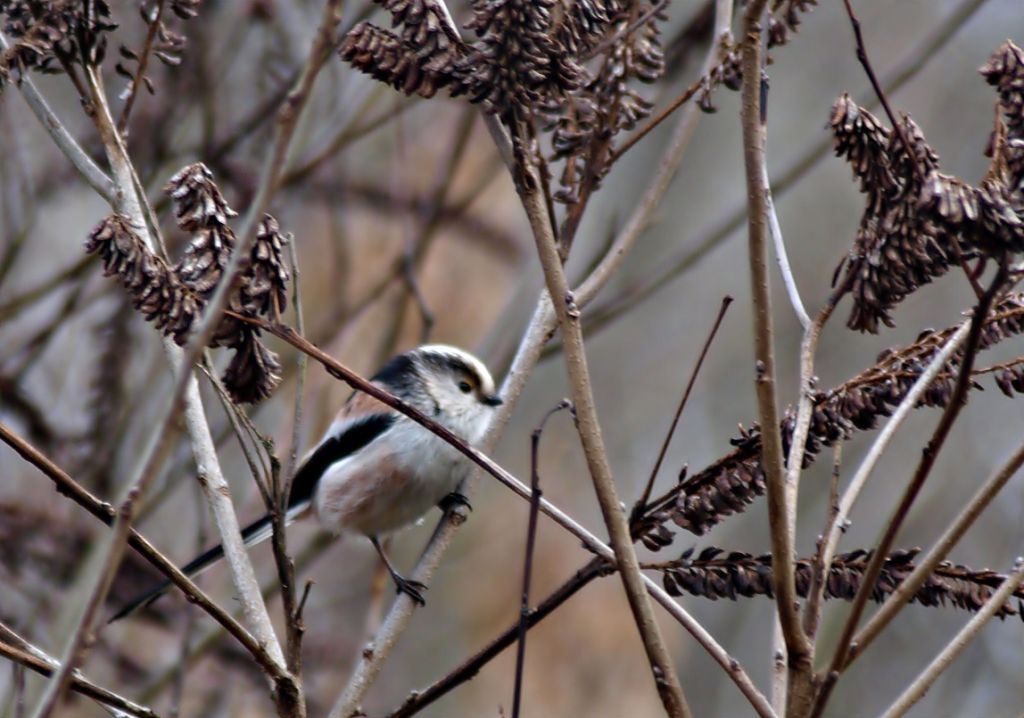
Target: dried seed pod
{"type": "Point", "coordinates": [156, 291]}
{"type": "Point", "coordinates": [264, 286]}
{"type": "Point", "coordinates": [198, 202]}
{"type": "Point", "coordinates": [712, 575]}
{"type": "Point", "coordinates": [918, 220]}
{"type": "Point", "coordinates": [174, 299]}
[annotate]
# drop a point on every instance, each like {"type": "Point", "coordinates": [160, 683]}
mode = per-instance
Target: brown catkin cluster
{"type": "Point", "coordinates": [716, 574]}
{"type": "Point", "coordinates": [918, 220]}
{"type": "Point", "coordinates": [421, 59]}
{"type": "Point", "coordinates": [156, 291]}
{"type": "Point", "coordinates": [174, 298]}
{"type": "Point", "coordinates": [530, 59]}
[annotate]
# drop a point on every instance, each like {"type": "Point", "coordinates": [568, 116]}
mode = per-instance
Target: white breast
{"type": "Point", "coordinates": [389, 483]}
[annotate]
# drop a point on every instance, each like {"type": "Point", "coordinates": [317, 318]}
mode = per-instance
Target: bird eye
{"type": "Point", "coordinates": [465, 387]}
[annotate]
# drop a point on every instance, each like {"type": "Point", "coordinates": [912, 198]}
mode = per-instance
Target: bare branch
{"type": "Point", "coordinates": [916, 690]}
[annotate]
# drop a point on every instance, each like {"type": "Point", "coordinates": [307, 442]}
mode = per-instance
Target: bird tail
{"type": "Point", "coordinates": [256, 532]}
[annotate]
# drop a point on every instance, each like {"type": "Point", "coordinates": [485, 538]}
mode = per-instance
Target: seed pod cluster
{"type": "Point", "coordinates": [918, 220]}
{"type": "Point", "coordinates": [175, 298]}
{"type": "Point", "coordinates": [715, 574]}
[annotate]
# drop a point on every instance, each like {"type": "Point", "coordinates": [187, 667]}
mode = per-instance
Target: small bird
{"type": "Point", "coordinates": [375, 470]}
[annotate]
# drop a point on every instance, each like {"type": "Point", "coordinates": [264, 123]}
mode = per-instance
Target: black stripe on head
{"type": "Point", "coordinates": [454, 364]}
{"type": "Point", "coordinates": [400, 376]}
{"type": "Point", "coordinates": [334, 449]}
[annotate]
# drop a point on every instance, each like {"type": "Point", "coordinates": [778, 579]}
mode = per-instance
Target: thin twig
{"type": "Point", "coordinates": [720, 42]}
{"type": "Point", "coordinates": [153, 24]}
{"type": "Point", "coordinates": [845, 647]}
{"type": "Point", "coordinates": [823, 556]}
{"type": "Point", "coordinates": [837, 520]}
{"type": "Point", "coordinates": [780, 672]}
{"type": "Point", "coordinates": [916, 690]}
{"type": "Point", "coordinates": [862, 57]}
{"type": "Point", "coordinates": [531, 538]}
{"type": "Point", "coordinates": [641, 503]}
{"type": "Point", "coordinates": [79, 684]}
{"type": "Point", "coordinates": [781, 256]}
{"type": "Point", "coordinates": [293, 614]}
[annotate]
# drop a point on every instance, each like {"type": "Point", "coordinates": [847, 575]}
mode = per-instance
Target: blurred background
{"type": "Point", "coordinates": [377, 181]}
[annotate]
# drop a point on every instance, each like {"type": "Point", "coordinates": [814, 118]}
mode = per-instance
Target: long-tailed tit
{"type": "Point", "coordinates": [376, 470]}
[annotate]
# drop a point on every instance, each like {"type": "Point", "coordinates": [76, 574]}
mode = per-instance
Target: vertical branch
{"type": "Point", "coordinates": [293, 617]}
{"type": "Point", "coordinates": [781, 504]}
{"type": "Point", "coordinates": [568, 313]}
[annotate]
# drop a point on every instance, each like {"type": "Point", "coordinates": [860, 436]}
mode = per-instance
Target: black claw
{"type": "Point", "coordinates": [455, 499]}
{"type": "Point", "coordinates": [410, 588]}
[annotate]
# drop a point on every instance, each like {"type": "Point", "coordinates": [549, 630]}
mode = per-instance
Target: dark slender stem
{"type": "Point", "coordinates": [845, 651]}
{"type": "Point", "coordinates": [638, 508]}
{"type": "Point", "coordinates": [862, 56]}
{"type": "Point", "coordinates": [531, 537]}
{"type": "Point", "coordinates": [684, 97]}
{"type": "Point", "coordinates": [471, 666]}
{"type": "Point", "coordinates": [147, 49]}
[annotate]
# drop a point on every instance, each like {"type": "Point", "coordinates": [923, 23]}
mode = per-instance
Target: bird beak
{"type": "Point", "coordinates": [492, 400]}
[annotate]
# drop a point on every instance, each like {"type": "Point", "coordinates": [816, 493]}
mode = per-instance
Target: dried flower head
{"type": "Point", "coordinates": [421, 59]}
{"type": "Point", "coordinates": [156, 291]}
{"type": "Point", "coordinates": [918, 220]}
{"type": "Point", "coordinates": [174, 298]}
{"type": "Point", "coordinates": [715, 574]}
{"type": "Point", "coordinates": [586, 122]}
{"type": "Point", "coordinates": [527, 53]}
{"type": "Point", "coordinates": [783, 22]}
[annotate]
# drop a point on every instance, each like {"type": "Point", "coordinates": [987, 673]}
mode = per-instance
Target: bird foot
{"type": "Point", "coordinates": [412, 589]}
{"type": "Point", "coordinates": [455, 499]}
